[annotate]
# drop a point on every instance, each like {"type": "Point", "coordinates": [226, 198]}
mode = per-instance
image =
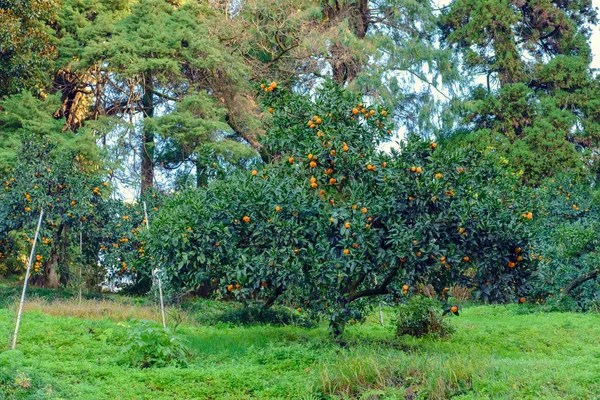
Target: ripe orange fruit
{"type": "Point", "coordinates": [314, 185]}
{"type": "Point", "coordinates": [237, 286]}
{"type": "Point", "coordinates": [217, 244]}
{"type": "Point", "coordinates": [413, 169]}
{"type": "Point", "coordinates": [254, 172]}
{"type": "Point", "coordinates": [529, 215]}
{"type": "Point", "coordinates": [419, 170]}
{"type": "Point", "coordinates": [384, 113]}
{"type": "Point", "coordinates": [438, 175]}
{"type": "Point", "coordinates": [331, 202]}
{"type": "Point", "coordinates": [433, 145]}
{"type": "Point", "coordinates": [246, 219]}
{"type": "Point", "coordinates": [332, 181]}
{"type": "Point", "coordinates": [310, 156]}
{"type": "Point", "coordinates": [291, 160]}
{"type": "Point", "coordinates": [519, 258]}
{"type": "Point", "coordinates": [466, 258]}
{"type": "Point", "coordinates": [322, 192]}
{"type": "Point", "coordinates": [511, 264]}
{"type": "Point", "coordinates": [230, 288]}
{"type": "Point", "coordinates": [312, 164]}
{"type": "Point", "coordinates": [347, 225]}
{"type": "Point", "coordinates": [332, 153]}
{"type": "Point", "coordinates": [355, 111]}
{"type": "Point", "coordinates": [518, 250]}
{"type": "Point", "coordinates": [461, 230]}
{"type": "Point", "coordinates": [372, 112]}
{"type": "Point", "coordinates": [522, 300]}
{"type": "Point", "coordinates": [383, 164]}
{"type": "Point", "coordinates": [442, 259]}
{"type": "Point", "coordinates": [364, 210]}
{"type": "Point", "coordinates": [277, 208]}
{"type": "Point", "coordinates": [419, 254]}
{"type": "Point", "coordinates": [405, 287]}
{"type": "Point", "coordinates": [346, 251]}
{"type": "Point", "coordinates": [410, 198]}
{"type": "Point", "coordinates": [454, 309]}
{"type": "Point", "coordinates": [271, 110]}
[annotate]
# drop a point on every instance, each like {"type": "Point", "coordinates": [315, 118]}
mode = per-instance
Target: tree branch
{"type": "Point", "coordinates": [580, 280]}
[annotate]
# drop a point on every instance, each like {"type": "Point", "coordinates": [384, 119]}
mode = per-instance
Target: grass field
{"type": "Point", "coordinates": [75, 351]}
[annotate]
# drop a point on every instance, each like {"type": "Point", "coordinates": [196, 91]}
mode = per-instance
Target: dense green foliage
{"type": "Point", "coordinates": [335, 220]}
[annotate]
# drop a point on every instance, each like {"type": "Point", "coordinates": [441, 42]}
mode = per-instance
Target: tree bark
{"type": "Point", "coordinates": [147, 171]}
{"type": "Point", "coordinates": [580, 281]}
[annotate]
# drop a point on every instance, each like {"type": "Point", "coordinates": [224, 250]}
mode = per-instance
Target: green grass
{"type": "Point", "coordinates": [504, 352]}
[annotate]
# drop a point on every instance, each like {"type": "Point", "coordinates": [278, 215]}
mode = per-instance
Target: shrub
{"type": "Point", "coordinates": [421, 316]}
{"type": "Point", "coordinates": [153, 346]}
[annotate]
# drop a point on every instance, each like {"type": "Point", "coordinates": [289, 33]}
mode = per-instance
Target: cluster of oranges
{"type": "Point", "coordinates": [515, 259]}
{"type": "Point", "coordinates": [97, 191]}
{"type": "Point", "coordinates": [365, 112]}
{"type": "Point", "coordinates": [314, 121]}
{"type": "Point", "coordinates": [418, 170]}
{"type": "Point", "coordinates": [230, 287]}
{"type": "Point", "coordinates": [38, 263]}
{"type": "Point", "coordinates": [272, 86]}
{"type": "Point", "coordinates": [7, 183]}
{"type": "Point", "coordinates": [528, 215]}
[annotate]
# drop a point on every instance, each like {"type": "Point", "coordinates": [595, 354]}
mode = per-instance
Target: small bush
{"type": "Point", "coordinates": [152, 346]}
{"type": "Point", "coordinates": [421, 316]}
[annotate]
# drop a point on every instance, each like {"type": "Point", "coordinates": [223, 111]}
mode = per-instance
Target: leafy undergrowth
{"type": "Point", "coordinates": [496, 352]}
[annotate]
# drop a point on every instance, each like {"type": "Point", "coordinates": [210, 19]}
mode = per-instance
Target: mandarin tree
{"type": "Point", "coordinates": [333, 221]}
{"type": "Point", "coordinates": [63, 173]}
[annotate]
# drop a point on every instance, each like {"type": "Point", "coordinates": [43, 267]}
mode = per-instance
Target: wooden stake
{"type": "Point", "coordinates": [80, 260]}
{"type": "Point", "coordinates": [160, 293]}
{"type": "Point", "coordinates": [31, 256]}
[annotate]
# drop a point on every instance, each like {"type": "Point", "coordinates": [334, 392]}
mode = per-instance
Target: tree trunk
{"type": "Point", "coordinates": [49, 279]}
{"type": "Point", "coordinates": [64, 257]}
{"type": "Point", "coordinates": [337, 328]}
{"type": "Point", "coordinates": [147, 136]}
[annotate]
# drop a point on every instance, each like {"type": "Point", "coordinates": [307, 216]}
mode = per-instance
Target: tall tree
{"type": "Point", "coordinates": [137, 61]}
{"type": "Point", "coordinates": [26, 46]}
{"type": "Point", "coordinates": [538, 105]}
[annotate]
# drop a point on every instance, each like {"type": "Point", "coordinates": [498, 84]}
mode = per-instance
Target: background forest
{"type": "Point", "coordinates": [318, 153]}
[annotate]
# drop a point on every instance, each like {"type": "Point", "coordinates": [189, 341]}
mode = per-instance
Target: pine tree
{"type": "Point", "coordinates": [537, 107]}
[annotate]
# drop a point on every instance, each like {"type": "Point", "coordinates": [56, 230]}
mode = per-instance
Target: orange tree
{"type": "Point", "coordinates": [66, 185]}
{"type": "Point", "coordinates": [76, 199]}
{"type": "Point", "coordinates": [333, 221]}
{"type": "Point", "coordinates": [62, 172]}
{"type": "Point", "coordinates": [566, 244]}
